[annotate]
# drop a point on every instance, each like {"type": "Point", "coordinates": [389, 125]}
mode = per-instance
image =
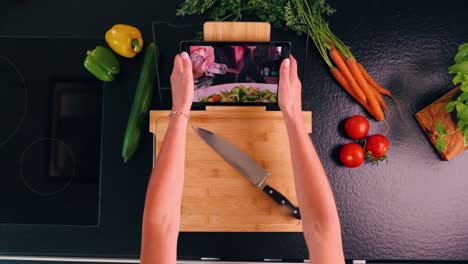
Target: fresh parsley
{"type": "Point", "coordinates": [279, 13]}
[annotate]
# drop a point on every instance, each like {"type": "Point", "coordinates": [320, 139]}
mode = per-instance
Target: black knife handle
{"type": "Point", "coordinates": [283, 201]}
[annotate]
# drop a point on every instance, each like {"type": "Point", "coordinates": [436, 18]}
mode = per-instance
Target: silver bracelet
{"type": "Point", "coordinates": [179, 113]}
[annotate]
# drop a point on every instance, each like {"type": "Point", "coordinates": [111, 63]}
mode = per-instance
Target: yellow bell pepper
{"type": "Point", "coordinates": [125, 40]}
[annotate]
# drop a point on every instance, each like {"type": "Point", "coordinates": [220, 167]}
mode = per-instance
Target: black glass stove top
{"type": "Point", "coordinates": [50, 132]}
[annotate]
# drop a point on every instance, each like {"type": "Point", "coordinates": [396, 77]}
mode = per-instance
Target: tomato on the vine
{"type": "Point", "coordinates": [377, 146]}
{"type": "Point", "coordinates": [356, 127]}
{"type": "Point", "coordinates": [352, 155]}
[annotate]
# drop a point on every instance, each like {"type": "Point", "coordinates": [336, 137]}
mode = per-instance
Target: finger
{"type": "Point", "coordinates": [293, 72]}
{"type": "Point", "coordinates": [178, 68]}
{"type": "Point", "coordinates": [284, 74]}
{"type": "Point", "coordinates": [186, 65]}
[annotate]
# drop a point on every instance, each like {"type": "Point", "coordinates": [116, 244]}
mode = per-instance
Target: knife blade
{"type": "Point", "coordinates": [248, 167]}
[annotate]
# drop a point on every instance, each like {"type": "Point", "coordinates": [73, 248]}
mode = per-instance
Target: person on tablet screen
{"type": "Point", "coordinates": [161, 218]}
{"type": "Point", "coordinates": [226, 64]}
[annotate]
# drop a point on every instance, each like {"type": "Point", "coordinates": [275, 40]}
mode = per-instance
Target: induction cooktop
{"type": "Point", "coordinates": [50, 132]}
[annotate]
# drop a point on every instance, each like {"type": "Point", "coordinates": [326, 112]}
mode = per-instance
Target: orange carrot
{"type": "Point", "coordinates": [332, 46]}
{"type": "Point", "coordinates": [357, 74]}
{"type": "Point", "coordinates": [342, 81]}
{"type": "Point", "coordinates": [379, 98]}
{"type": "Point", "coordinates": [379, 88]}
{"type": "Point", "coordinates": [337, 58]}
{"type": "Point", "coordinates": [372, 82]}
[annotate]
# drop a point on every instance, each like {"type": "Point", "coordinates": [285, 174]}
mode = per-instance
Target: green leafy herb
{"type": "Point", "coordinates": [461, 56]}
{"type": "Point", "coordinates": [463, 46]}
{"type": "Point", "coordinates": [234, 10]}
{"type": "Point", "coordinates": [458, 78]}
{"type": "Point", "coordinates": [464, 87]}
{"type": "Point", "coordinates": [463, 97]}
{"type": "Point", "coordinates": [465, 136]}
{"type": "Point", "coordinates": [460, 68]}
{"type": "Point", "coordinates": [302, 16]}
{"type": "Point", "coordinates": [440, 129]}
{"type": "Point", "coordinates": [462, 124]}
{"type": "Point", "coordinates": [441, 144]}
{"type": "Point", "coordinates": [450, 106]}
{"type": "Point", "coordinates": [462, 112]}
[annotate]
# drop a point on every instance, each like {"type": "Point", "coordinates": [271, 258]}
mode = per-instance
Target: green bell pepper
{"type": "Point", "coordinates": [102, 63]}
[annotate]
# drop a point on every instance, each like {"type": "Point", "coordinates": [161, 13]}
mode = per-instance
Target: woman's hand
{"type": "Point", "coordinates": [290, 90]}
{"type": "Point", "coordinates": [182, 83]}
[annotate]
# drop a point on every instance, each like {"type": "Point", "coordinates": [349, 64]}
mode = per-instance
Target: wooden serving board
{"type": "Point", "coordinates": [435, 112]}
{"type": "Point", "coordinates": [236, 31]}
{"type": "Point", "coordinates": [216, 197]}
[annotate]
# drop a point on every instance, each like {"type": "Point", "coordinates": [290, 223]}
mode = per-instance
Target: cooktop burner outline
{"type": "Point", "coordinates": [50, 167]}
{"type": "Point", "coordinates": [13, 66]}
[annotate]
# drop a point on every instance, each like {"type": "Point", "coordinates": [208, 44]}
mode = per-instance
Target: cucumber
{"type": "Point", "coordinates": [141, 103]}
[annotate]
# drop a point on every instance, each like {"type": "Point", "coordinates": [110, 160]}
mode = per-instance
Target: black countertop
{"type": "Point", "coordinates": [415, 207]}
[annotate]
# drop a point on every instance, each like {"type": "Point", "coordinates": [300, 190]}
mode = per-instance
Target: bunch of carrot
{"type": "Point", "coordinates": [350, 74]}
{"type": "Point", "coordinates": [354, 78]}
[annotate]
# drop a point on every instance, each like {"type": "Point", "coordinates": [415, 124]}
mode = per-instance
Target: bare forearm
{"type": "Point", "coordinates": [164, 193]}
{"type": "Point", "coordinates": [161, 219]}
{"type": "Point", "coordinates": [314, 191]}
{"type": "Point", "coordinates": [318, 209]}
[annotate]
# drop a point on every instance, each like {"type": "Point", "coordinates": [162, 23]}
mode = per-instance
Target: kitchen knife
{"type": "Point", "coordinates": [247, 167]}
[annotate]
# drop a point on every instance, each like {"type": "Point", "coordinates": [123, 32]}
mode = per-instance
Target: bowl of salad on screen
{"type": "Point", "coordinates": [238, 93]}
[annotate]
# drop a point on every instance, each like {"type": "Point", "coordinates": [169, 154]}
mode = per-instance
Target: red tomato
{"type": "Point", "coordinates": [356, 127]}
{"type": "Point", "coordinates": [352, 155]}
{"type": "Point", "coordinates": [215, 98]}
{"type": "Point", "coordinates": [377, 146]}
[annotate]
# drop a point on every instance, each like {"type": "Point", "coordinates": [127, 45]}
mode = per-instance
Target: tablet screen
{"type": "Point", "coordinates": [228, 72]}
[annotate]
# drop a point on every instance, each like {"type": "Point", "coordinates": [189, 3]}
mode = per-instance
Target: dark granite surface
{"type": "Point", "coordinates": [415, 207]}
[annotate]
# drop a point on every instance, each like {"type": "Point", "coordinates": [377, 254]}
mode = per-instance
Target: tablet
{"type": "Point", "coordinates": [236, 72]}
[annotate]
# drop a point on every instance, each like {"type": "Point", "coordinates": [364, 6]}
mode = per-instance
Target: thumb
{"type": "Point", "coordinates": [284, 75]}
{"type": "Point", "coordinates": [187, 65]}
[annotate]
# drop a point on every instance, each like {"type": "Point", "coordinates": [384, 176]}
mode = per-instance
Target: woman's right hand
{"type": "Point", "coordinates": [290, 88]}
{"type": "Point", "coordinates": [182, 83]}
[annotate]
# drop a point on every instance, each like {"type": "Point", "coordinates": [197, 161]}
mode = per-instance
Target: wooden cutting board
{"type": "Point", "coordinates": [216, 197]}
{"type": "Point", "coordinates": [236, 31]}
{"type": "Point", "coordinates": [435, 112]}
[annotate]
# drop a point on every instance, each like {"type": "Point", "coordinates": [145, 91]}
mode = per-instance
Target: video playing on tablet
{"type": "Point", "coordinates": [227, 72]}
